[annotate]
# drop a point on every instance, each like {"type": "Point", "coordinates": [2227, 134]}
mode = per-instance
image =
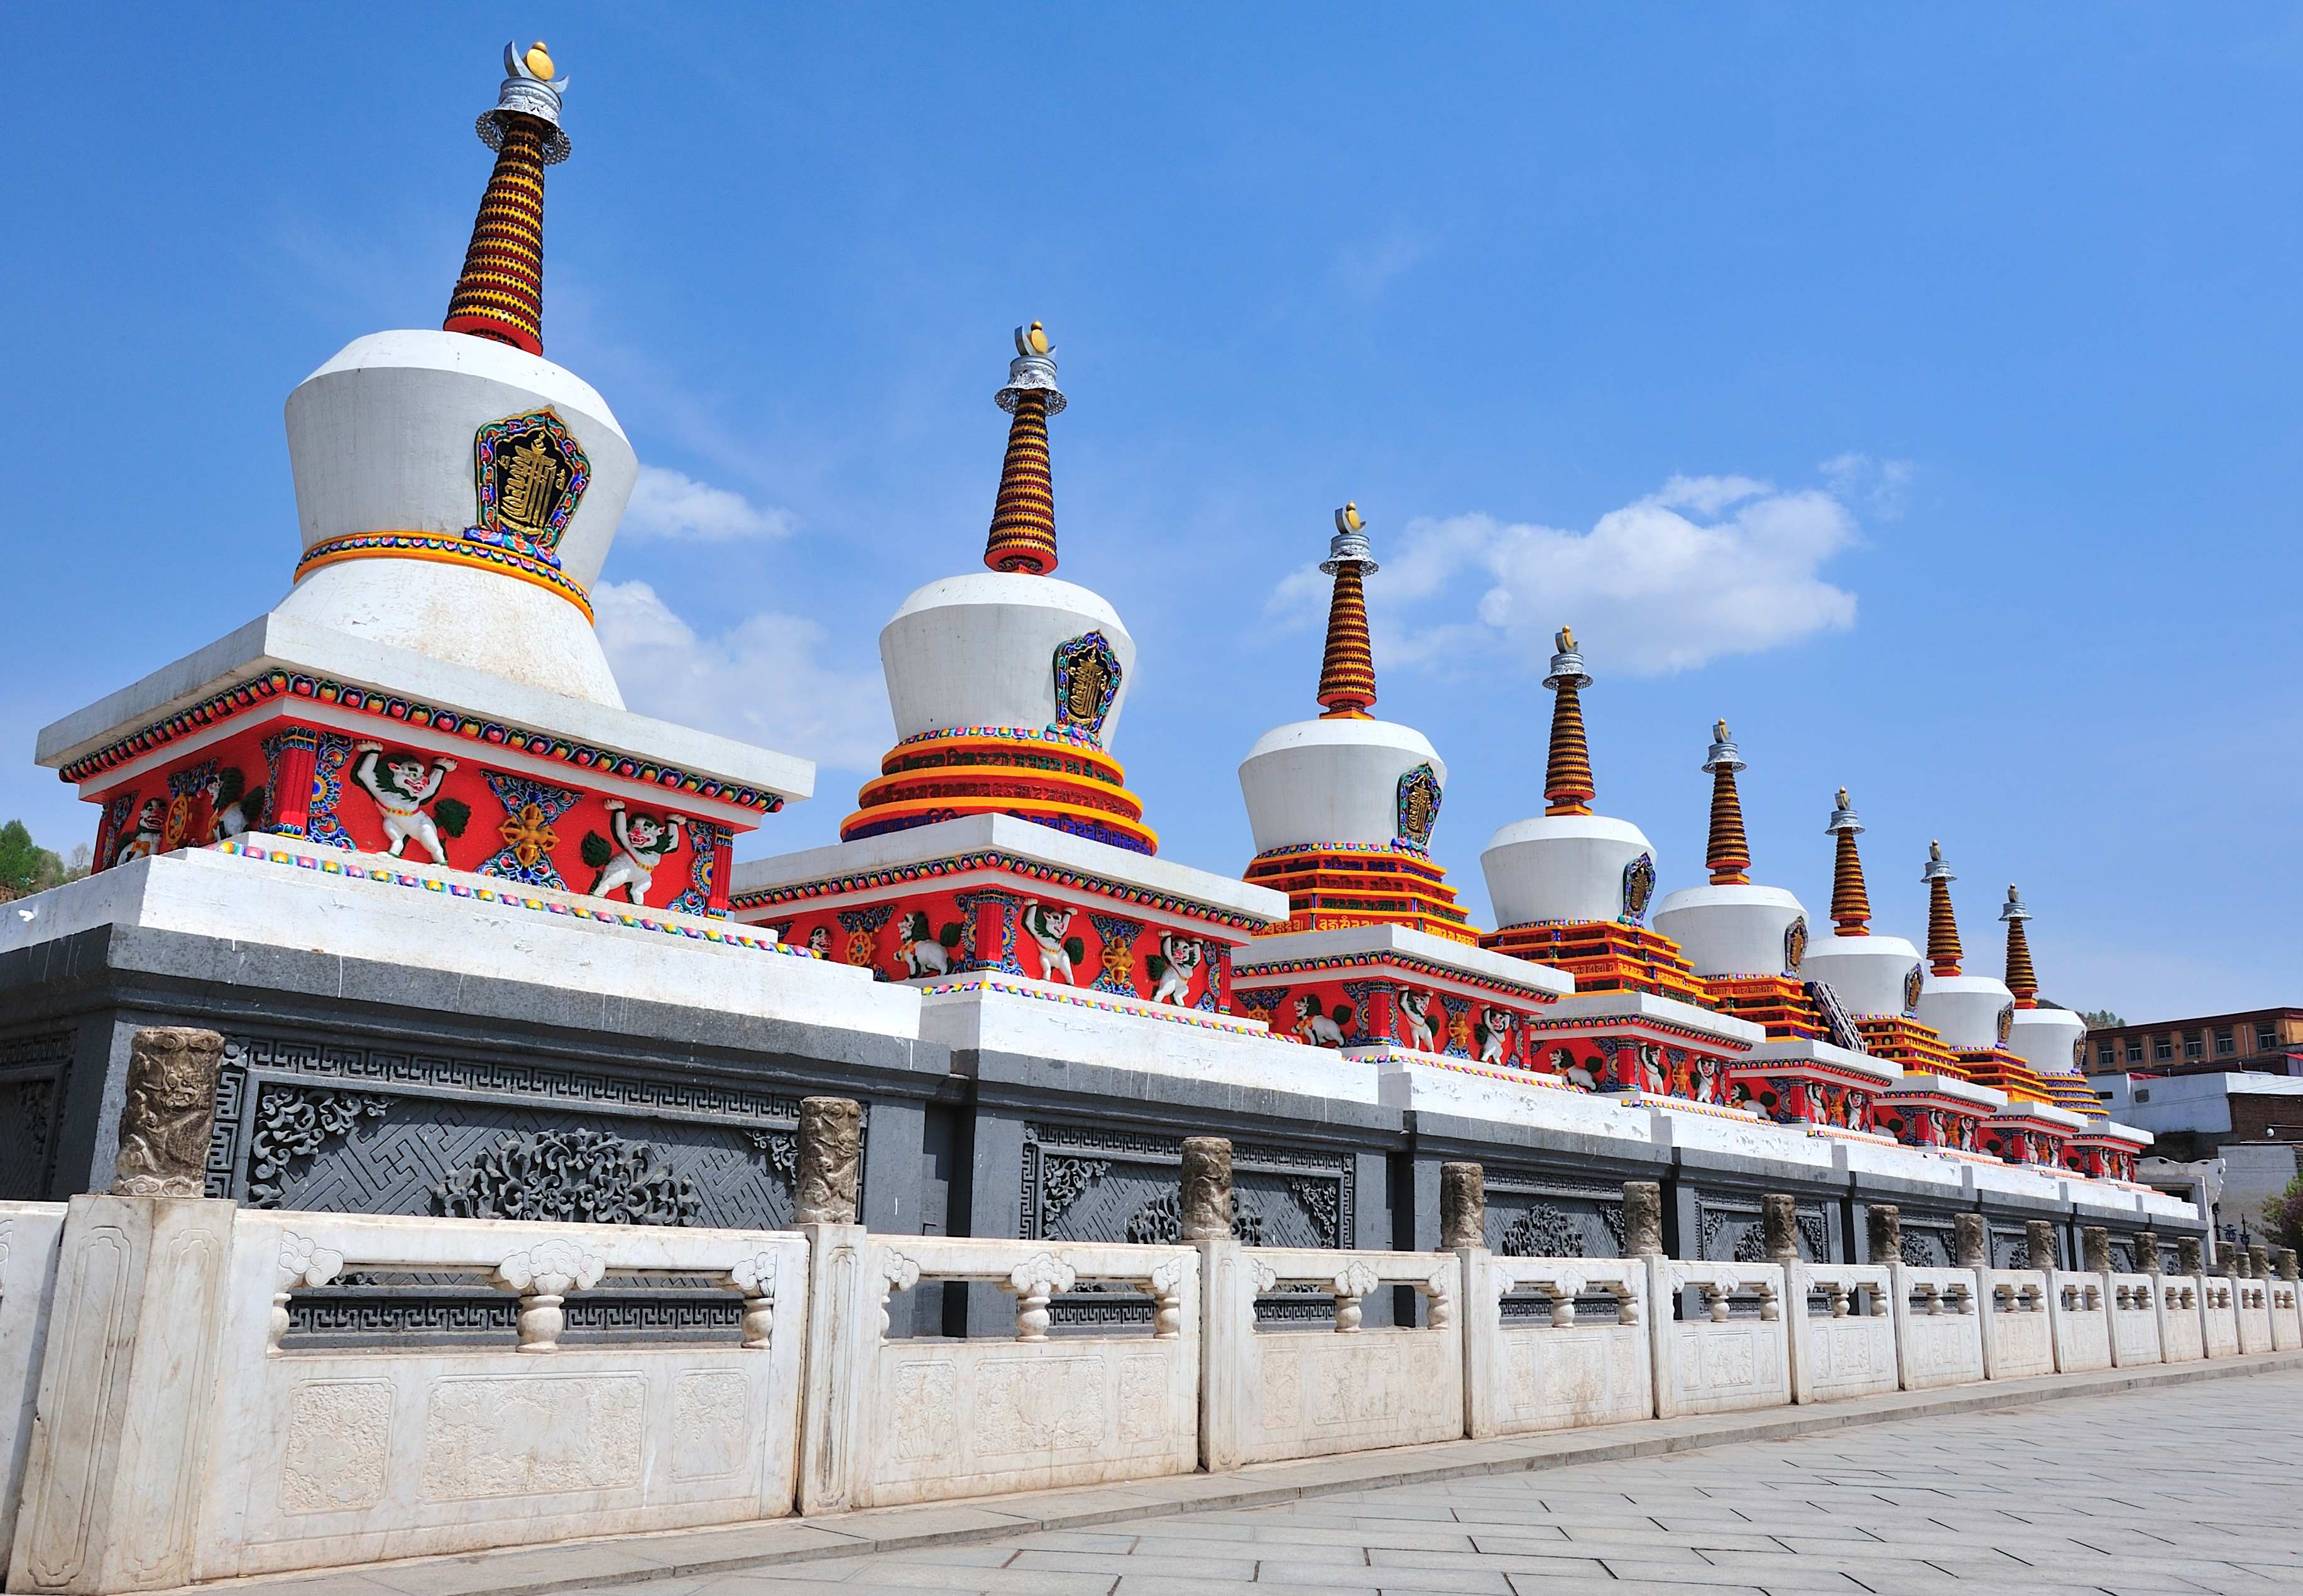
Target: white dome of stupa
{"type": "Point", "coordinates": [1732, 927]}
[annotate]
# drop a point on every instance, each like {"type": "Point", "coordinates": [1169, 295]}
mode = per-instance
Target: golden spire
{"type": "Point", "coordinates": [1729, 856]}
{"type": "Point", "coordinates": [1567, 775]}
{"type": "Point", "coordinates": [2021, 979]}
{"type": "Point", "coordinates": [1347, 669]}
{"type": "Point", "coordinates": [500, 293]}
{"type": "Point", "coordinates": [1850, 905]}
{"type": "Point", "coordinates": [1024, 520]}
{"type": "Point", "coordinates": [1943, 926]}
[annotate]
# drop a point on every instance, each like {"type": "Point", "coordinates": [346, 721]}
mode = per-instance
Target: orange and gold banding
{"type": "Point", "coordinates": [1024, 520]}
{"type": "Point", "coordinates": [1728, 856]}
{"type": "Point", "coordinates": [1778, 1004]}
{"type": "Point", "coordinates": [501, 293]}
{"type": "Point", "coordinates": [1051, 780]}
{"type": "Point", "coordinates": [1996, 1066]}
{"type": "Point", "coordinates": [1850, 904]}
{"type": "Point", "coordinates": [2022, 980]}
{"type": "Point", "coordinates": [446, 548]}
{"type": "Point", "coordinates": [1347, 669]}
{"type": "Point", "coordinates": [1567, 788]}
{"type": "Point", "coordinates": [1944, 951]}
{"type": "Point", "coordinates": [1605, 956]}
{"type": "Point", "coordinates": [1329, 888]}
{"type": "Point", "coordinates": [1918, 1049]}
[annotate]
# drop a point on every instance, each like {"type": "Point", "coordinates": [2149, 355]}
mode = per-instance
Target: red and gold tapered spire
{"type": "Point", "coordinates": [1729, 856]}
{"type": "Point", "coordinates": [1347, 669]}
{"type": "Point", "coordinates": [1850, 905]}
{"type": "Point", "coordinates": [1943, 926]}
{"type": "Point", "coordinates": [501, 293]}
{"type": "Point", "coordinates": [1024, 521]}
{"type": "Point", "coordinates": [1567, 774]}
{"type": "Point", "coordinates": [2021, 979]}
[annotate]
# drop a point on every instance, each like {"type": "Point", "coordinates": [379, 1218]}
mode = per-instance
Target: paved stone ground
{"type": "Point", "coordinates": [2186, 1489]}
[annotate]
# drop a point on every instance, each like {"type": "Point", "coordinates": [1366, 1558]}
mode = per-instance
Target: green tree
{"type": "Point", "coordinates": [2283, 1215]}
{"type": "Point", "coordinates": [2101, 1019]}
{"type": "Point", "coordinates": [25, 866]}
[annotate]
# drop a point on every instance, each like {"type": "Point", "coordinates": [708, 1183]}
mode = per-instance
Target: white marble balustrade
{"type": "Point", "coordinates": [1842, 1331]}
{"type": "Point", "coordinates": [2079, 1318]}
{"type": "Point", "coordinates": [1277, 1391]}
{"type": "Point", "coordinates": [2183, 1334]}
{"type": "Point", "coordinates": [1718, 1336]}
{"type": "Point", "coordinates": [1558, 1367]}
{"type": "Point", "coordinates": [2286, 1322]}
{"type": "Point", "coordinates": [2134, 1315]}
{"type": "Point", "coordinates": [1938, 1333]}
{"type": "Point", "coordinates": [30, 1234]}
{"type": "Point", "coordinates": [2218, 1317]}
{"type": "Point", "coordinates": [2252, 1299]}
{"type": "Point", "coordinates": [2018, 1340]}
{"type": "Point", "coordinates": [890, 1421]}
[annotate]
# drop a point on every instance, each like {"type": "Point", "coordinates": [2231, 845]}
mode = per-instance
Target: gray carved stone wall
{"type": "Point", "coordinates": [31, 1075]}
{"type": "Point", "coordinates": [1538, 1216]}
{"type": "Point", "coordinates": [1730, 1228]}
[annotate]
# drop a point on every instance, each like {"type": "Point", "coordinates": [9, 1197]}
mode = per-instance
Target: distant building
{"type": "Point", "coordinates": [2227, 1139]}
{"type": "Point", "coordinates": [2267, 1041]}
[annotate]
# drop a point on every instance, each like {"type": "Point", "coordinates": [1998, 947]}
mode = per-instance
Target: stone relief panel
{"type": "Point", "coordinates": [32, 1072]}
{"type": "Point", "coordinates": [711, 1425]}
{"type": "Point", "coordinates": [1729, 1229]}
{"type": "Point", "coordinates": [338, 1445]}
{"type": "Point", "coordinates": [1101, 1183]}
{"type": "Point", "coordinates": [479, 1435]}
{"type": "Point", "coordinates": [313, 1125]}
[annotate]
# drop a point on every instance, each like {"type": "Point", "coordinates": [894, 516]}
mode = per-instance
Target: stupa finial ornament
{"type": "Point", "coordinates": [499, 294]}
{"type": "Point", "coordinates": [1729, 856]}
{"type": "Point", "coordinates": [1850, 904]}
{"type": "Point", "coordinates": [1024, 521]}
{"type": "Point", "coordinates": [1567, 788]}
{"type": "Point", "coordinates": [2022, 980]}
{"type": "Point", "coordinates": [1944, 951]}
{"type": "Point", "coordinates": [1347, 667]}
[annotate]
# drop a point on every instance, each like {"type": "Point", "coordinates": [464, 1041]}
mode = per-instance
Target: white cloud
{"type": "Point", "coordinates": [1707, 566]}
{"type": "Point", "coordinates": [760, 681]}
{"type": "Point", "coordinates": [670, 504]}
{"type": "Point", "coordinates": [1884, 485]}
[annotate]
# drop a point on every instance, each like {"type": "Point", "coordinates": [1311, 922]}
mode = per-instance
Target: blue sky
{"type": "Point", "coordinates": [1916, 389]}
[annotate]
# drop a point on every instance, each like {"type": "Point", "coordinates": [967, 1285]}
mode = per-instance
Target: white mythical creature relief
{"type": "Point", "coordinates": [1321, 1030]}
{"type": "Point", "coordinates": [1495, 1034]}
{"type": "Point", "coordinates": [642, 843]}
{"type": "Point", "coordinates": [1047, 927]}
{"type": "Point", "coordinates": [401, 786]}
{"type": "Point", "coordinates": [1180, 956]}
{"type": "Point", "coordinates": [1415, 1008]}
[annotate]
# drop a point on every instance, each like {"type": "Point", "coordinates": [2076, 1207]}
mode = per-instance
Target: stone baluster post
{"type": "Point", "coordinates": [1643, 1218]}
{"type": "Point", "coordinates": [1884, 1223]}
{"type": "Point", "coordinates": [1970, 1241]}
{"type": "Point", "coordinates": [1462, 1207]}
{"type": "Point", "coordinates": [1204, 1197]}
{"type": "Point", "coordinates": [2188, 1261]}
{"type": "Point", "coordinates": [2039, 1243]}
{"type": "Point", "coordinates": [2289, 1263]}
{"type": "Point", "coordinates": [2258, 1261]}
{"type": "Point", "coordinates": [849, 1283]}
{"type": "Point", "coordinates": [2095, 1241]}
{"type": "Point", "coordinates": [2147, 1251]}
{"type": "Point", "coordinates": [140, 1304]}
{"type": "Point", "coordinates": [831, 1160]}
{"type": "Point", "coordinates": [1779, 1228]}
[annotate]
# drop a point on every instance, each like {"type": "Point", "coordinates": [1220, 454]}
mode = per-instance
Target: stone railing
{"type": "Point", "coordinates": [2134, 1315]}
{"type": "Point", "coordinates": [887, 1421]}
{"type": "Point", "coordinates": [2253, 1297]}
{"type": "Point", "coordinates": [1554, 1363]}
{"type": "Point", "coordinates": [196, 1421]}
{"type": "Point", "coordinates": [1271, 1392]}
{"type": "Point", "coordinates": [1719, 1337]}
{"type": "Point", "coordinates": [2286, 1322]}
{"type": "Point", "coordinates": [31, 1234]}
{"type": "Point", "coordinates": [1843, 1330]}
{"type": "Point", "coordinates": [2218, 1317]}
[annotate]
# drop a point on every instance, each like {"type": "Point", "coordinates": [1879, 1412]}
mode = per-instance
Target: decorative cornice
{"type": "Point", "coordinates": [446, 548]}
{"type": "Point", "coordinates": [1086, 998]}
{"type": "Point", "coordinates": [276, 684]}
{"type": "Point", "coordinates": [352, 868]}
{"type": "Point", "coordinates": [929, 870]}
{"type": "Point", "coordinates": [1669, 1027]}
{"type": "Point", "coordinates": [1245, 974]}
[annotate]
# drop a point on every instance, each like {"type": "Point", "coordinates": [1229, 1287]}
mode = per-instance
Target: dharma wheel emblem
{"type": "Point", "coordinates": [530, 475]}
{"type": "Point", "coordinates": [1087, 681]}
{"type": "Point", "coordinates": [1419, 804]}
